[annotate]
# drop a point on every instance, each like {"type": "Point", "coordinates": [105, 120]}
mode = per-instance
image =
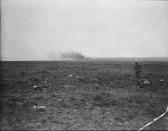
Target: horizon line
{"type": "Point", "coordinates": [93, 58]}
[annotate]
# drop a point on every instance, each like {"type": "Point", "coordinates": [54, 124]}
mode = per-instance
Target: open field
{"type": "Point", "coordinates": [83, 95]}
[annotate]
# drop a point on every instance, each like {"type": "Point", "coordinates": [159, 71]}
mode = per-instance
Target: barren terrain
{"type": "Point", "coordinates": [87, 95]}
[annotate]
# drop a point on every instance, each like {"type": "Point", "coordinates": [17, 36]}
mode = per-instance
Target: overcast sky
{"type": "Point", "coordinates": [43, 29]}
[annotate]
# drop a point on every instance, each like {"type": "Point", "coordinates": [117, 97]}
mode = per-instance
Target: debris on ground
{"type": "Point", "coordinates": [144, 82]}
{"type": "Point", "coordinates": [162, 80]}
{"type": "Point", "coordinates": [82, 78]}
{"type": "Point", "coordinates": [38, 84]}
{"type": "Point", "coordinates": [70, 75]}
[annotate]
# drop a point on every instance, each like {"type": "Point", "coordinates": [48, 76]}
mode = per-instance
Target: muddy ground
{"type": "Point", "coordinates": [87, 95]}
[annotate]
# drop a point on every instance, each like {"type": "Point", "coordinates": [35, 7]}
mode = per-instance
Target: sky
{"type": "Point", "coordinates": [44, 29]}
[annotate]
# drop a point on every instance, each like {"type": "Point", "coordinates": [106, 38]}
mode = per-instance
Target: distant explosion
{"type": "Point", "coordinates": [73, 56]}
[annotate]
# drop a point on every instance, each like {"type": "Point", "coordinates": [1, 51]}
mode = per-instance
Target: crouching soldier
{"type": "Point", "coordinates": [138, 71]}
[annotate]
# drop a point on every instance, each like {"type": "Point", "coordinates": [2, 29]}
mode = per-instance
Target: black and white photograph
{"type": "Point", "coordinates": [84, 65]}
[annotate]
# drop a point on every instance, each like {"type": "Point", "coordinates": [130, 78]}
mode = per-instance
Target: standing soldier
{"type": "Point", "coordinates": [138, 71]}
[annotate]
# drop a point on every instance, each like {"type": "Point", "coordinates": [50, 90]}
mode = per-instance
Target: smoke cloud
{"type": "Point", "coordinates": [55, 55]}
{"type": "Point", "coordinates": [73, 56]}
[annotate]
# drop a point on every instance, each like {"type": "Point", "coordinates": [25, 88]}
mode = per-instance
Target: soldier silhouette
{"type": "Point", "coordinates": [138, 71]}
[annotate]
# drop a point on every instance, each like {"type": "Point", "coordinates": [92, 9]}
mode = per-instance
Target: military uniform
{"type": "Point", "coordinates": [138, 71]}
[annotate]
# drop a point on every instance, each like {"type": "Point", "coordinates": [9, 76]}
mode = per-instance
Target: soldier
{"type": "Point", "coordinates": [138, 71]}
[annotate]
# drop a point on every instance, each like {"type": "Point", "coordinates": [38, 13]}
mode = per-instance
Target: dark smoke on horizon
{"type": "Point", "coordinates": [73, 56]}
